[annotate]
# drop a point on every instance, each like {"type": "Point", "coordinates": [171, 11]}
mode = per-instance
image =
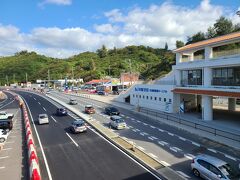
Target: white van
{"type": "Point", "coordinates": [43, 119]}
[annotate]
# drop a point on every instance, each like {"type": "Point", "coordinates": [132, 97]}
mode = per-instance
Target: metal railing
{"type": "Point", "coordinates": [196, 125]}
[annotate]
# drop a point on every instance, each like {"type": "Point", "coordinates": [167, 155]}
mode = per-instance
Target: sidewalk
{"type": "Point", "coordinates": [111, 100]}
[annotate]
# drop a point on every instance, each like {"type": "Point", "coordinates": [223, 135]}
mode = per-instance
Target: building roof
{"type": "Point", "coordinates": [209, 42]}
{"type": "Point", "coordinates": [95, 81]}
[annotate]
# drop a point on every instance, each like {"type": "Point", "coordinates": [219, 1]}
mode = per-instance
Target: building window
{"type": "Point", "coordinates": [147, 97]}
{"type": "Point", "coordinates": [133, 95]}
{"type": "Point", "coordinates": [139, 96]}
{"type": "Point", "coordinates": [164, 99]}
{"type": "Point", "coordinates": [143, 96]}
{"type": "Point", "coordinates": [160, 99]}
{"type": "Point", "coordinates": [151, 97]}
{"type": "Point", "coordinates": [155, 98]}
{"type": "Point", "coordinates": [170, 100]}
{"type": "Point", "coordinates": [192, 77]}
{"type": "Point", "coordinates": [136, 96]}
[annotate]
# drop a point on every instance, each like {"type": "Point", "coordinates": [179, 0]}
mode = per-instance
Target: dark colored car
{"type": "Point", "coordinates": [6, 124]}
{"type": "Point", "coordinates": [61, 112]}
{"type": "Point", "coordinates": [112, 111]}
{"type": "Point", "coordinates": [89, 109]}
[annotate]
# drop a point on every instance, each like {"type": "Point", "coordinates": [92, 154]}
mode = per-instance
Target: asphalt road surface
{"type": "Point", "coordinates": [77, 156]}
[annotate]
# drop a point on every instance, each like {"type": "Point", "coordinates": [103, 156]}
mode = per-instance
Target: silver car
{"type": "Point", "coordinates": [117, 122]}
{"type": "Point", "coordinates": [43, 119]}
{"type": "Point", "coordinates": [209, 167]}
{"type": "Point", "coordinates": [78, 126]}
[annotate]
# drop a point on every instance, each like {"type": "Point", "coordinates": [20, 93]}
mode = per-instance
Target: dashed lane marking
{"type": "Point", "coordinates": [150, 138]}
{"type": "Point", "coordinates": [170, 134]}
{"type": "Point", "coordinates": [134, 130]}
{"type": "Point", "coordinates": [138, 130]}
{"type": "Point", "coordinates": [34, 98]}
{"type": "Point", "coordinates": [230, 157]}
{"type": "Point", "coordinates": [72, 139]}
{"type": "Point", "coordinates": [212, 150]}
{"type": "Point", "coordinates": [44, 109]}
{"type": "Point", "coordinates": [153, 127]}
{"type": "Point", "coordinates": [182, 138]}
{"type": "Point", "coordinates": [145, 124]}
{"type": "Point", "coordinates": [196, 144]}
{"type": "Point", "coordinates": [163, 143]}
{"type": "Point", "coordinates": [175, 149]}
{"type": "Point", "coordinates": [161, 130]}
{"type": "Point", "coordinates": [183, 174]}
{"type": "Point", "coordinates": [138, 121]}
{"type": "Point", "coordinates": [54, 119]}
{"type": "Point", "coordinates": [132, 119]}
{"type": "Point", "coordinates": [189, 156]}
{"type": "Point", "coordinates": [39, 103]}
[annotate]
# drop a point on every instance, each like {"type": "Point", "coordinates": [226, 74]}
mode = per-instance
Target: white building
{"type": "Point", "coordinates": [203, 70]}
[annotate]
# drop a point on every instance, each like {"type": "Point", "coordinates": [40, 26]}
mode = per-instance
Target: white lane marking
{"type": "Point", "coordinates": [138, 121]}
{"type": "Point", "coordinates": [7, 104]}
{"type": "Point", "coordinates": [54, 119]}
{"type": "Point", "coordinates": [39, 103]}
{"type": "Point", "coordinates": [142, 134]}
{"type": "Point", "coordinates": [137, 130]}
{"type": "Point", "coordinates": [196, 144]}
{"type": "Point", "coordinates": [170, 134]}
{"type": "Point", "coordinates": [9, 142]}
{"type": "Point", "coordinates": [164, 163]}
{"type": "Point", "coordinates": [152, 155]}
{"type": "Point", "coordinates": [43, 153]}
{"type": "Point", "coordinates": [160, 130]}
{"type": "Point", "coordinates": [183, 174]}
{"type": "Point", "coordinates": [150, 138]}
{"type": "Point", "coordinates": [230, 157]}
{"type": "Point", "coordinates": [127, 117]}
{"type": "Point", "coordinates": [6, 149]}
{"type": "Point", "coordinates": [212, 150]}
{"type": "Point", "coordinates": [134, 130]}
{"type": "Point", "coordinates": [122, 115]}
{"type": "Point", "coordinates": [182, 138]}
{"type": "Point", "coordinates": [4, 157]}
{"type": "Point", "coordinates": [154, 137]}
{"type": "Point", "coordinates": [141, 148]}
{"type": "Point", "coordinates": [189, 156]}
{"type": "Point", "coordinates": [72, 139]}
{"type": "Point", "coordinates": [153, 127]}
{"type": "Point", "coordinates": [133, 119]}
{"type": "Point", "coordinates": [145, 124]}
{"type": "Point", "coordinates": [2, 167]}
{"type": "Point", "coordinates": [34, 98]}
{"type": "Point", "coordinates": [130, 126]}
{"type": "Point", "coordinates": [175, 149]}
{"type": "Point", "coordinates": [162, 143]}
{"type": "Point", "coordinates": [44, 109]}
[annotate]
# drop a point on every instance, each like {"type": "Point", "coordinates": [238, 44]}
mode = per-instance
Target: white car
{"type": "Point", "coordinates": [5, 115]}
{"type": "Point", "coordinates": [117, 122]}
{"type": "Point", "coordinates": [3, 135]}
{"type": "Point", "coordinates": [43, 119]}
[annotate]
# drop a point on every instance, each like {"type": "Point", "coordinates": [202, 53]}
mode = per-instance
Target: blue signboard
{"type": "Point", "coordinates": [150, 90]}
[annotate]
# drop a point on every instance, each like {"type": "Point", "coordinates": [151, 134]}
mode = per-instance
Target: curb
{"type": "Point", "coordinates": [34, 169]}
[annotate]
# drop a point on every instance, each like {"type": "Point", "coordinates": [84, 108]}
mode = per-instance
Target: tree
{"type": "Point", "coordinates": [223, 26]}
{"type": "Point", "coordinates": [166, 46]}
{"type": "Point", "coordinates": [196, 37]}
{"type": "Point", "coordinates": [179, 44]}
{"type": "Point", "coordinates": [102, 52]}
{"type": "Point", "coordinates": [211, 32]}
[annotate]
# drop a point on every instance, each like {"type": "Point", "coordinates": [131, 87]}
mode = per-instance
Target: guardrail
{"type": "Point", "coordinates": [199, 126]}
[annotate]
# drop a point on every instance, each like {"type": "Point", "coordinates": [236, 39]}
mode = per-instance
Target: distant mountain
{"type": "Point", "coordinates": [149, 62]}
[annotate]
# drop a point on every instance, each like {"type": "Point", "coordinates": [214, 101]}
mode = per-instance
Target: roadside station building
{"type": "Point", "coordinates": [203, 71]}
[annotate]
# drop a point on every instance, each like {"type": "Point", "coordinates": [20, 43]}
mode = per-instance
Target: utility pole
{"type": "Point", "coordinates": [48, 77]}
{"type": "Point", "coordinates": [7, 79]}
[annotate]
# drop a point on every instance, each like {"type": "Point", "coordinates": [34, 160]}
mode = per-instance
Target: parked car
{"type": "Point", "coordinates": [112, 111]}
{"type": "Point", "coordinates": [5, 115]}
{"type": "Point", "coordinates": [89, 109]}
{"type": "Point", "coordinates": [101, 93]}
{"type": "Point", "coordinates": [73, 101]}
{"type": "Point", "coordinates": [117, 122]}
{"type": "Point", "coordinates": [209, 167]}
{"type": "Point", "coordinates": [78, 126]}
{"type": "Point", "coordinates": [3, 135]}
{"type": "Point", "coordinates": [6, 124]}
{"type": "Point", "coordinates": [43, 119]}
{"type": "Point", "coordinates": [61, 112]}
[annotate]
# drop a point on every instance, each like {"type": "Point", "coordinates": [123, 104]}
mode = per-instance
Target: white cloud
{"type": "Point", "coordinates": [153, 26]}
{"type": "Point", "coordinates": [57, 2]}
{"type": "Point", "coordinates": [106, 28]}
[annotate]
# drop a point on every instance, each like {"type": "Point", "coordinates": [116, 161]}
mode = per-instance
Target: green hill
{"type": "Point", "coordinates": [149, 62]}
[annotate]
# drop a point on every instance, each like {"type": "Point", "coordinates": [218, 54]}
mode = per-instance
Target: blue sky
{"type": "Point", "coordinates": [30, 24]}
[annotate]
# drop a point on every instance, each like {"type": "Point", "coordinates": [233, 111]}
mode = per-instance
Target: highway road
{"type": "Point", "coordinates": [173, 147]}
{"type": "Point", "coordinates": [77, 156]}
